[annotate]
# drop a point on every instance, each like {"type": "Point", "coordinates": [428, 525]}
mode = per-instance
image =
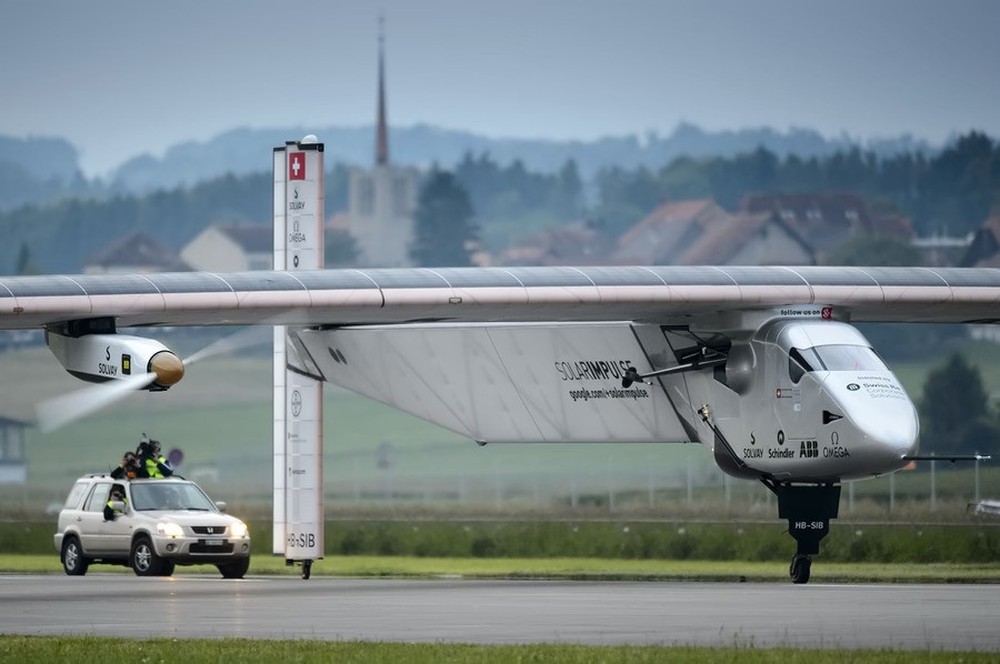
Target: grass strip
{"type": "Point", "coordinates": [84, 650]}
{"type": "Point", "coordinates": [570, 569]}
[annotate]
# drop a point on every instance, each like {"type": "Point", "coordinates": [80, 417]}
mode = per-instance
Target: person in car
{"type": "Point", "coordinates": [128, 467]}
{"type": "Point", "coordinates": [117, 495]}
{"type": "Point", "coordinates": [151, 462]}
{"type": "Point", "coordinates": [172, 499]}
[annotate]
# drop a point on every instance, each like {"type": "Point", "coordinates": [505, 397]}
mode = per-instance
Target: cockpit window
{"type": "Point", "coordinates": [849, 358]}
{"type": "Point", "coordinates": [797, 365]}
{"type": "Point", "coordinates": [838, 357]}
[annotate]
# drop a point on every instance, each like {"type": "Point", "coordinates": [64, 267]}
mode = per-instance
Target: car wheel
{"type": "Point", "coordinates": [143, 559]}
{"type": "Point", "coordinates": [73, 561]}
{"type": "Point", "coordinates": [236, 569]}
{"type": "Point", "coordinates": [167, 568]}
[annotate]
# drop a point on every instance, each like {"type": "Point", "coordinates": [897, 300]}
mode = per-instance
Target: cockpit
{"type": "Point", "coordinates": [812, 345]}
{"type": "Point", "coordinates": [834, 357]}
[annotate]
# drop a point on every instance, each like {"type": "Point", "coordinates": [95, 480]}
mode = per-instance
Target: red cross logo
{"type": "Point", "coordinates": [297, 166]}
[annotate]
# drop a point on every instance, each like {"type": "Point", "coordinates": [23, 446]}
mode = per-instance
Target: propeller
{"type": "Point", "coordinates": [166, 370]}
{"type": "Point", "coordinates": [59, 411]}
{"type": "Point", "coordinates": [246, 338]}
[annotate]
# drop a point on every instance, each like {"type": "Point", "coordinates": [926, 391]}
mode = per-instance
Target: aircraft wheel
{"type": "Point", "coordinates": [306, 568]}
{"type": "Point", "coordinates": [800, 569]}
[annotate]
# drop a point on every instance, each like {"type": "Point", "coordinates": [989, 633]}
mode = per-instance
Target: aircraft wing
{"type": "Point", "coordinates": [661, 294]}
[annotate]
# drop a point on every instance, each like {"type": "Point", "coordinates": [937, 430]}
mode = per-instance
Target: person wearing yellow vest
{"type": "Point", "coordinates": [117, 495]}
{"type": "Point", "coordinates": [151, 462]}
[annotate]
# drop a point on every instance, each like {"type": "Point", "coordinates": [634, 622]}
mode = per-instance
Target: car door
{"type": "Point", "coordinates": [91, 519]}
{"type": "Point", "coordinates": [116, 535]}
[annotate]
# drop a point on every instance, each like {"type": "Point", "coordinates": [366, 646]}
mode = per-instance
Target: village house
{"type": "Point", "coordinates": [134, 253]}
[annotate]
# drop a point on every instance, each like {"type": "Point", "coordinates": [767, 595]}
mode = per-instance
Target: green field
{"type": "Point", "coordinates": [83, 650]}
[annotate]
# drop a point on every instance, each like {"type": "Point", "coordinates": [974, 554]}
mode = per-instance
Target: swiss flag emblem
{"type": "Point", "coordinates": [297, 166]}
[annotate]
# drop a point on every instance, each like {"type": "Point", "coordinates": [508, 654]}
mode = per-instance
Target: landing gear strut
{"type": "Point", "coordinates": [808, 509]}
{"type": "Point", "coordinates": [306, 566]}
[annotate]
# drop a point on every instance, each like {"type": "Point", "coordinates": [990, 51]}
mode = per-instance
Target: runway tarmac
{"type": "Point", "coordinates": [949, 617]}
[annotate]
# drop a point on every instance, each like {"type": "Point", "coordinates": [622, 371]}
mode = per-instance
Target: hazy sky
{"type": "Point", "coordinates": [122, 77]}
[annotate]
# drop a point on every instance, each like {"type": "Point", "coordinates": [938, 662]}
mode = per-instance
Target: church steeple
{"type": "Point", "coordinates": [383, 199]}
{"type": "Point", "coordinates": [382, 130]}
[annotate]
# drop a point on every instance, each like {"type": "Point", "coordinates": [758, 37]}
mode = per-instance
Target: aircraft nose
{"type": "Point", "coordinates": [882, 416]}
{"type": "Point", "coordinates": [893, 432]}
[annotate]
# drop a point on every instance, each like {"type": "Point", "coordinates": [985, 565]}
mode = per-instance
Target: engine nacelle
{"type": "Point", "coordinates": [91, 350]}
{"type": "Point", "coordinates": [741, 364]}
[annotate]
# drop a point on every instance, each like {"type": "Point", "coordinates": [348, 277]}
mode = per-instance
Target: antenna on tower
{"type": "Point", "coordinates": [382, 130]}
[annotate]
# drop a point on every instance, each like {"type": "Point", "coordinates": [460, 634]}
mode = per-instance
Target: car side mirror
{"type": "Point", "coordinates": [221, 505]}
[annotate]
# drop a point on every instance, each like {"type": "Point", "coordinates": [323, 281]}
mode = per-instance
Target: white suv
{"type": "Point", "coordinates": [161, 523]}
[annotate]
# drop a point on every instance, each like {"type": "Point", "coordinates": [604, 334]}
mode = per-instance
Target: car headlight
{"type": "Point", "coordinates": [239, 530]}
{"type": "Point", "coordinates": [167, 529]}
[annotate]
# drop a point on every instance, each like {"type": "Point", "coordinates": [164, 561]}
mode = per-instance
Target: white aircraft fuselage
{"type": "Point", "coordinates": [795, 401]}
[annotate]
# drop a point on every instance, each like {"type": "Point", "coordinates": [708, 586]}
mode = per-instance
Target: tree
{"type": "Point", "coordinates": [340, 248]}
{"type": "Point", "coordinates": [25, 264]}
{"type": "Point", "coordinates": [444, 229]}
{"type": "Point", "coordinates": [731, 179]}
{"type": "Point", "coordinates": [875, 250]}
{"type": "Point", "coordinates": [959, 186]}
{"type": "Point", "coordinates": [565, 193]}
{"type": "Point", "coordinates": [625, 197]}
{"type": "Point", "coordinates": [954, 410]}
{"type": "Point", "coordinates": [684, 178]}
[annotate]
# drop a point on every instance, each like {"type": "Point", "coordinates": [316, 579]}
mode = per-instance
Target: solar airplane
{"type": "Point", "coordinates": [760, 364]}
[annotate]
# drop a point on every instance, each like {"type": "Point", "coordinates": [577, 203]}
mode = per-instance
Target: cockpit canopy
{"type": "Point", "coordinates": [838, 357]}
{"type": "Point", "coordinates": [824, 346]}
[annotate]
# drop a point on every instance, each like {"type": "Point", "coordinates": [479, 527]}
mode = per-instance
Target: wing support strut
{"type": "Point", "coordinates": [706, 416]}
{"type": "Point", "coordinates": [706, 359]}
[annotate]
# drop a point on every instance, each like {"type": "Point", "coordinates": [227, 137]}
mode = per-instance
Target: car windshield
{"type": "Point", "coordinates": [169, 496]}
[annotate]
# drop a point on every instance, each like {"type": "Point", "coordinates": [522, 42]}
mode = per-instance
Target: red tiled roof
{"type": "Point", "coordinates": [339, 221]}
{"type": "Point", "coordinates": [984, 251]}
{"type": "Point", "coordinates": [893, 225]}
{"type": "Point", "coordinates": [570, 244]}
{"type": "Point", "coordinates": [721, 242]}
{"type": "Point", "coordinates": [673, 212]}
{"type": "Point", "coordinates": [137, 249]}
{"type": "Point", "coordinates": [668, 231]}
{"type": "Point", "coordinates": [813, 209]}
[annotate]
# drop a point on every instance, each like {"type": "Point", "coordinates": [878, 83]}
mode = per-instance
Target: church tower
{"type": "Point", "coordinates": [382, 200]}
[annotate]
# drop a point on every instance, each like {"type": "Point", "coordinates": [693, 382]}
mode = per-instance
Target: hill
{"type": "Point", "coordinates": [239, 151]}
{"type": "Point", "coordinates": [38, 170]}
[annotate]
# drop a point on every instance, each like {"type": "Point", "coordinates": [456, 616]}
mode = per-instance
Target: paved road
{"type": "Point", "coordinates": [828, 616]}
